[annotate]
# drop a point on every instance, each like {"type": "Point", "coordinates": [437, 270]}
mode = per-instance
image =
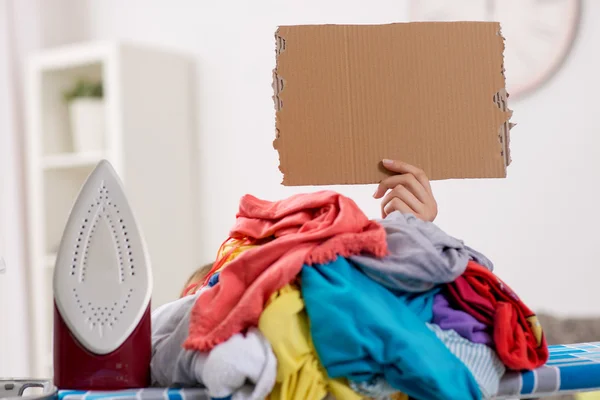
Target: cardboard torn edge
{"type": "Point", "coordinates": [501, 100]}
{"type": "Point", "coordinates": [278, 86]}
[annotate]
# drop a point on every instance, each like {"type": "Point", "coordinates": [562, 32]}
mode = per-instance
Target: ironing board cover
{"type": "Point", "coordinates": [571, 368]}
{"type": "Point", "coordinates": [137, 394]}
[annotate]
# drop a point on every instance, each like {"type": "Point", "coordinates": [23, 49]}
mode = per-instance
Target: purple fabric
{"type": "Point", "coordinates": [463, 323]}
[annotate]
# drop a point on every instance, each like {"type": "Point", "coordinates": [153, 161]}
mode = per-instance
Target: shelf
{"type": "Point", "coordinates": [72, 160]}
{"type": "Point", "coordinates": [74, 55]}
{"type": "Point", "coordinates": [54, 117]}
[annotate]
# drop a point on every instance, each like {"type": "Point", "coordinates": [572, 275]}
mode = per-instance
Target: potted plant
{"type": "Point", "coordinates": [86, 113]}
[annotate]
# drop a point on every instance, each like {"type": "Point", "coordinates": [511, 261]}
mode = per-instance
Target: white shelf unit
{"type": "Point", "coordinates": [148, 138]}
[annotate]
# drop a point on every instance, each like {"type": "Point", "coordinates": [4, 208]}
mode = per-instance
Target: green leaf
{"type": "Point", "coordinates": [84, 88]}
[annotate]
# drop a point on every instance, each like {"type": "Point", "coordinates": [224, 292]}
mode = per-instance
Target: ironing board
{"type": "Point", "coordinates": [571, 368]}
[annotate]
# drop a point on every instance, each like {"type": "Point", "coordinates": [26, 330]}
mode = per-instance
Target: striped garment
{"type": "Point", "coordinates": [482, 361]}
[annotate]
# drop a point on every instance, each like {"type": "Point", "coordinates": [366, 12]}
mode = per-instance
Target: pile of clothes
{"type": "Point", "coordinates": [309, 299]}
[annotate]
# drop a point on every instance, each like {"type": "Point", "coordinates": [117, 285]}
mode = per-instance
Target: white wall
{"type": "Point", "coordinates": [539, 225]}
{"type": "Point", "coordinates": [14, 355]}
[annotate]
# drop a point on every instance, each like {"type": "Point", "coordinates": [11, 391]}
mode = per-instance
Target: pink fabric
{"type": "Point", "coordinates": [307, 228]}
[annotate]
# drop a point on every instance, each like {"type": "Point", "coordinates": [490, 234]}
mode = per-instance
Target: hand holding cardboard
{"type": "Point", "coordinates": [407, 192]}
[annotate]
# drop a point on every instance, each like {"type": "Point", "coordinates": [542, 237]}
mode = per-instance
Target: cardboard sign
{"type": "Point", "coordinates": [430, 94]}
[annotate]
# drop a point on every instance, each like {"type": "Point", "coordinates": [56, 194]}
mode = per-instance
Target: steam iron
{"type": "Point", "coordinates": [102, 289]}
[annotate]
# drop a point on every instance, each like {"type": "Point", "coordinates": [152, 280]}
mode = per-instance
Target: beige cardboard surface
{"type": "Point", "coordinates": [429, 93]}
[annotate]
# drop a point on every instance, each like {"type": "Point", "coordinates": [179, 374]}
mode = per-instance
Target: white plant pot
{"type": "Point", "coordinates": [87, 124]}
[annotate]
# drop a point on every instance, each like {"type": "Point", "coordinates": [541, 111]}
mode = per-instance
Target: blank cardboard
{"type": "Point", "coordinates": [428, 93]}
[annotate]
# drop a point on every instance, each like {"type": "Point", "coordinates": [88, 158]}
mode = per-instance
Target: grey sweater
{"type": "Point", "coordinates": [243, 367]}
{"type": "Point", "coordinates": [421, 255]}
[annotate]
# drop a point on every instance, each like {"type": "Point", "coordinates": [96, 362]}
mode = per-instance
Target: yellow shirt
{"type": "Point", "coordinates": [300, 375]}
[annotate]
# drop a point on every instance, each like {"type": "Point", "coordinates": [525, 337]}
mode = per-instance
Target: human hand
{"type": "Point", "coordinates": [407, 192]}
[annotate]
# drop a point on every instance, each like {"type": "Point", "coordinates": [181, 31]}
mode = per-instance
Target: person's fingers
{"type": "Point", "coordinates": [404, 168]}
{"type": "Point", "coordinates": [406, 196]}
{"type": "Point", "coordinates": [380, 190]}
{"type": "Point", "coordinates": [409, 181]}
{"type": "Point", "coordinates": [396, 205]}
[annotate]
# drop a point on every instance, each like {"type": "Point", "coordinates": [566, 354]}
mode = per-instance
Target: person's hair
{"type": "Point", "coordinates": [196, 278]}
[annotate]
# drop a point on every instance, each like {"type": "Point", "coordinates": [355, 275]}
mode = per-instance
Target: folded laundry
{"type": "Point", "coordinates": [517, 333]}
{"type": "Point", "coordinates": [300, 375]}
{"type": "Point", "coordinates": [242, 368]}
{"type": "Point", "coordinates": [421, 255]}
{"type": "Point", "coordinates": [362, 330]}
{"type": "Point", "coordinates": [460, 321]}
{"type": "Point", "coordinates": [306, 228]}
